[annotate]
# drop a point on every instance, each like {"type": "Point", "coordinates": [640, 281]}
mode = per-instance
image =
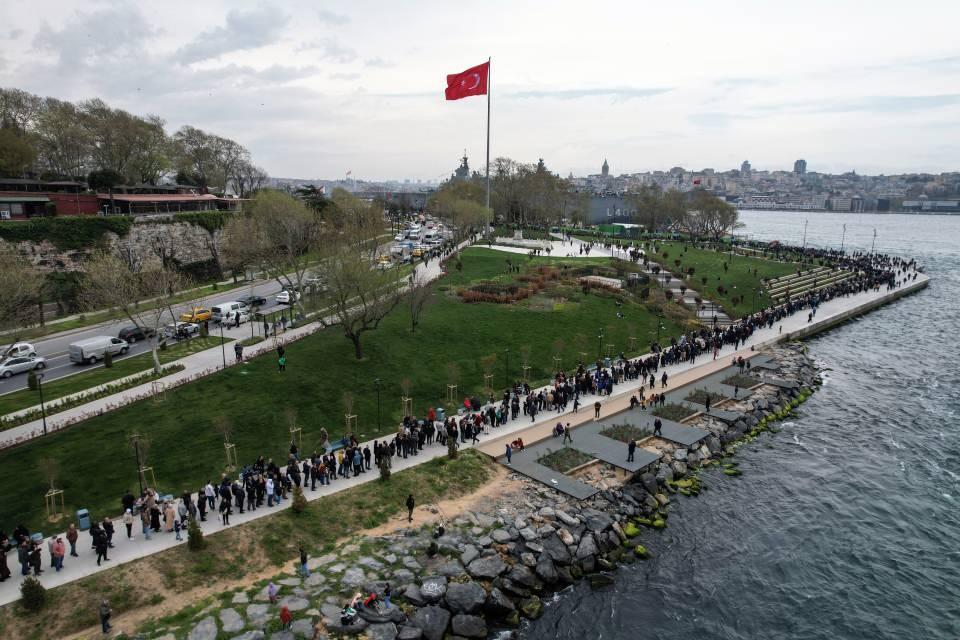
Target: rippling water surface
{"type": "Point", "coordinates": [845, 524]}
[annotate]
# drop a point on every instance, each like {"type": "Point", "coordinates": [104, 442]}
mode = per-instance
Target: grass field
{"type": "Point", "coordinates": [186, 450]}
{"type": "Point", "coordinates": [742, 276]}
{"type": "Point", "coordinates": [95, 376]}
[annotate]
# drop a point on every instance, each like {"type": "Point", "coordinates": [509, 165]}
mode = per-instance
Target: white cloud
{"type": "Point", "coordinates": [769, 81]}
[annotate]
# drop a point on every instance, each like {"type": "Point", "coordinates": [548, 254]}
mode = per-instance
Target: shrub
{"type": "Point", "coordinates": [33, 594]}
{"type": "Point", "coordinates": [32, 383]}
{"type": "Point", "coordinates": [195, 541]}
{"type": "Point", "coordinates": [107, 359]}
{"type": "Point", "coordinates": [299, 504]}
{"type": "Point", "coordinates": [204, 330]}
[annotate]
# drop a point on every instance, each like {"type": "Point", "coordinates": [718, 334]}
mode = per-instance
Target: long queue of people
{"type": "Point", "coordinates": [267, 484]}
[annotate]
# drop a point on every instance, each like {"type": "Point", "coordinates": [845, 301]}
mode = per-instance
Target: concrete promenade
{"type": "Point", "coordinates": [829, 314]}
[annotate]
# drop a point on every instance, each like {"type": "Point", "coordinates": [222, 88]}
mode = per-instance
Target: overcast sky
{"type": "Point", "coordinates": [315, 89]}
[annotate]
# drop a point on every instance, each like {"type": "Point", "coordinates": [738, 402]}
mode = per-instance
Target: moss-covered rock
{"type": "Point", "coordinates": [659, 523]}
{"type": "Point", "coordinates": [532, 607]}
{"type": "Point", "coordinates": [631, 530]}
{"type": "Point", "coordinates": [512, 619]}
{"type": "Point", "coordinates": [643, 522]}
{"type": "Point", "coordinates": [641, 552]}
{"type": "Point", "coordinates": [732, 472]}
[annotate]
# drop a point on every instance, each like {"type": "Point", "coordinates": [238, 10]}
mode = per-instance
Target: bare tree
{"type": "Point", "coordinates": [418, 293]}
{"type": "Point", "coordinates": [360, 295]}
{"type": "Point", "coordinates": [111, 283]}
{"type": "Point", "coordinates": [20, 286]}
{"type": "Point", "coordinates": [277, 233]}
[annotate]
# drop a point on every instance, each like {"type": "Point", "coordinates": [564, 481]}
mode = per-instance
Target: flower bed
{"type": "Point", "coordinates": [625, 432]}
{"type": "Point", "coordinates": [565, 459]}
{"type": "Point", "coordinates": [675, 412]}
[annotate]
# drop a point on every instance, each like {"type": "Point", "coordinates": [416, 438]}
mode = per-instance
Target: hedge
{"type": "Point", "coordinates": [209, 220]}
{"type": "Point", "coordinates": [65, 233]}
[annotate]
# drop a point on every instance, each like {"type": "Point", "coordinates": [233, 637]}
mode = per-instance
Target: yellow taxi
{"type": "Point", "coordinates": [197, 314]}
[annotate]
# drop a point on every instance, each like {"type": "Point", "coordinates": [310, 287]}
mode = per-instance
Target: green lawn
{"type": "Point", "coordinates": [742, 276]}
{"type": "Point", "coordinates": [92, 377]}
{"type": "Point", "coordinates": [186, 450]}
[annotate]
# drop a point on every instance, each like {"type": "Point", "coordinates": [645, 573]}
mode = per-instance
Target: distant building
{"type": "Point", "coordinates": [800, 167]}
{"type": "Point", "coordinates": [745, 168]}
{"type": "Point", "coordinates": [463, 171]}
{"type": "Point", "coordinates": [605, 169]}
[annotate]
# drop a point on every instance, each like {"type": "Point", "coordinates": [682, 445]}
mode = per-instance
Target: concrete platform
{"type": "Point", "coordinates": [525, 462]}
{"type": "Point", "coordinates": [590, 441]}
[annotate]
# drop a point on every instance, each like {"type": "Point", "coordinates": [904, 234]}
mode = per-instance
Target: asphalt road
{"type": "Point", "coordinates": [55, 347]}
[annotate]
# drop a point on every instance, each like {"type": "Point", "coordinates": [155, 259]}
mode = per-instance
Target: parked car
{"type": "Point", "coordinates": [288, 297]}
{"type": "Point", "coordinates": [134, 333]}
{"type": "Point", "coordinates": [19, 364]}
{"type": "Point", "coordinates": [253, 300]}
{"type": "Point", "coordinates": [19, 349]}
{"type": "Point", "coordinates": [231, 320]}
{"type": "Point", "coordinates": [92, 349]}
{"type": "Point", "coordinates": [400, 237]}
{"type": "Point", "coordinates": [227, 309]}
{"type": "Point", "coordinates": [180, 330]}
{"type": "Point", "coordinates": [197, 314]}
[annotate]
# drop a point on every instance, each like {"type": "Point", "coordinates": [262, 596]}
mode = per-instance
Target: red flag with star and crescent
{"type": "Point", "coordinates": [472, 82]}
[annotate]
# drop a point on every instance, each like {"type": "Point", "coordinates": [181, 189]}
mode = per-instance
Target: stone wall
{"type": "Point", "coordinates": [183, 242]}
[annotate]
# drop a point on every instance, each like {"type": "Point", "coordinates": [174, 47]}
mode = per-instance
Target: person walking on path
{"type": "Point", "coordinates": [304, 570]}
{"type": "Point", "coordinates": [128, 523]}
{"type": "Point", "coordinates": [238, 351]}
{"type": "Point", "coordinates": [596, 410]}
{"type": "Point", "coordinates": [59, 550]}
{"type": "Point", "coordinates": [663, 380]}
{"type": "Point", "coordinates": [410, 505]}
{"type": "Point", "coordinates": [286, 618]}
{"type": "Point", "coordinates": [272, 593]}
{"type": "Point", "coordinates": [509, 454]}
{"type": "Point", "coordinates": [631, 448]}
{"type": "Point", "coordinates": [105, 614]}
{"type": "Point", "coordinates": [566, 434]}
{"type": "Point", "coordinates": [72, 535]}
{"type": "Point", "coordinates": [657, 425]}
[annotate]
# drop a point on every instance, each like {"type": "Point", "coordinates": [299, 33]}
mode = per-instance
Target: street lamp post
{"type": "Point", "coordinates": [43, 410]}
{"type": "Point", "coordinates": [136, 454]}
{"type": "Point", "coordinates": [600, 344]}
{"type": "Point", "coordinates": [843, 238]}
{"type": "Point", "coordinates": [223, 350]}
{"type": "Point", "coordinates": [659, 324]}
{"type": "Point", "coordinates": [376, 383]}
{"type": "Point", "coordinates": [506, 370]}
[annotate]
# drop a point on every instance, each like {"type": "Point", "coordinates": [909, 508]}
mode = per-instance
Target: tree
{"type": "Point", "coordinates": [194, 153]}
{"type": "Point", "coordinates": [20, 286]}
{"type": "Point", "coordinates": [276, 232]}
{"type": "Point", "coordinates": [716, 217]}
{"type": "Point", "coordinates": [360, 295]}
{"type": "Point", "coordinates": [63, 143]}
{"type": "Point", "coordinates": [418, 293]}
{"type": "Point", "coordinates": [248, 178]}
{"type": "Point", "coordinates": [112, 283]}
{"type": "Point", "coordinates": [16, 154]}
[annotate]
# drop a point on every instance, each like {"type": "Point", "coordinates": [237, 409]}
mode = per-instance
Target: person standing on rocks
{"type": "Point", "coordinates": [410, 505]}
{"type": "Point", "coordinates": [304, 570]}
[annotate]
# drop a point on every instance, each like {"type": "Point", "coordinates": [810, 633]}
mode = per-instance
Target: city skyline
{"type": "Point", "coordinates": [316, 92]}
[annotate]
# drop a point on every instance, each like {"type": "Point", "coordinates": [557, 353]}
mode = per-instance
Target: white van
{"type": "Point", "coordinates": [227, 310]}
{"type": "Point", "coordinates": [92, 349]}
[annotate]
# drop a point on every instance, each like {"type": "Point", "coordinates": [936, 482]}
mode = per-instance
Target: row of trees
{"type": "Point", "coordinates": [59, 139]}
{"type": "Point", "coordinates": [524, 194]}
{"type": "Point", "coordinates": [697, 213]}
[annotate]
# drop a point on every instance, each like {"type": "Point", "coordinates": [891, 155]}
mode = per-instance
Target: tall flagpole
{"type": "Point", "coordinates": [489, 88]}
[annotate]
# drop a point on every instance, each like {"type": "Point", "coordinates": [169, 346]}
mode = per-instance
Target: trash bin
{"type": "Point", "coordinates": [83, 519]}
{"type": "Point", "coordinates": [441, 415]}
{"type": "Point", "coordinates": [606, 363]}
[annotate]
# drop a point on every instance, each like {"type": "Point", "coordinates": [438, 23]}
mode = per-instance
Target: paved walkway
{"type": "Point", "coordinates": [683, 373]}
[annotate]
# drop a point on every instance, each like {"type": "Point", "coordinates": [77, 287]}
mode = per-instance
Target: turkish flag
{"type": "Point", "coordinates": [472, 82]}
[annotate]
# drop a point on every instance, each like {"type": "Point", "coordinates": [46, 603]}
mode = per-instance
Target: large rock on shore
{"type": "Point", "coordinates": [469, 626]}
{"type": "Point", "coordinates": [432, 620]}
{"type": "Point", "coordinates": [498, 605]}
{"type": "Point", "coordinates": [433, 589]}
{"type": "Point", "coordinates": [487, 567]}
{"type": "Point", "coordinates": [545, 569]}
{"type": "Point", "coordinates": [556, 549]}
{"type": "Point", "coordinates": [467, 597]}
{"type": "Point", "coordinates": [587, 548]}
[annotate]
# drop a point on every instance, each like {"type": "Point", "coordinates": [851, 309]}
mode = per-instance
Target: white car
{"type": "Point", "coordinates": [181, 330]}
{"type": "Point", "coordinates": [284, 297]}
{"type": "Point", "coordinates": [19, 364]}
{"type": "Point", "coordinates": [20, 349]}
{"type": "Point", "coordinates": [400, 237]}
